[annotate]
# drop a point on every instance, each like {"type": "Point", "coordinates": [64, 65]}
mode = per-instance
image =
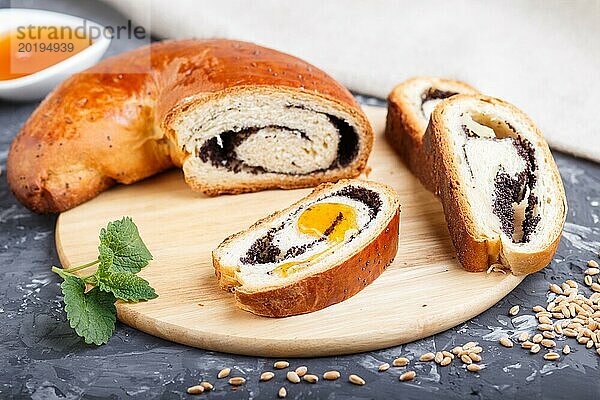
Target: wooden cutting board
{"type": "Point", "coordinates": [423, 292]}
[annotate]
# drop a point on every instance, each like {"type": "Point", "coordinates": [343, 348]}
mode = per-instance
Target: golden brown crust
{"type": "Point", "coordinates": [103, 126]}
{"type": "Point", "coordinates": [404, 129]}
{"type": "Point", "coordinates": [329, 287]}
{"type": "Point", "coordinates": [474, 252]}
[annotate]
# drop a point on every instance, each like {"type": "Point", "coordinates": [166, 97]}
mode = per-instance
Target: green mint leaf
{"type": "Point", "coordinates": [126, 286]}
{"type": "Point", "coordinates": [91, 314]}
{"type": "Point", "coordinates": [130, 254]}
{"type": "Point", "coordinates": [105, 257]}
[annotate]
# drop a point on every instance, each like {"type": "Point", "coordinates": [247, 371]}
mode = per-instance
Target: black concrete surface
{"type": "Point", "coordinates": [41, 357]}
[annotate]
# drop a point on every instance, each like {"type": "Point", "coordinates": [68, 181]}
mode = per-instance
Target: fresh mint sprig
{"type": "Point", "coordinates": [121, 254]}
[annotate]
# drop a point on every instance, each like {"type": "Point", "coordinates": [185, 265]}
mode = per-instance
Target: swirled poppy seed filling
{"type": "Point", "coordinates": [514, 201]}
{"type": "Point", "coordinates": [222, 151]}
{"type": "Point", "coordinates": [264, 250]}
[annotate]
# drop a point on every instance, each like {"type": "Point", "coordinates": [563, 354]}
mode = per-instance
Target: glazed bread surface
{"type": "Point", "coordinates": [276, 269]}
{"type": "Point", "coordinates": [410, 105]}
{"type": "Point", "coordinates": [236, 116]}
{"type": "Point", "coordinates": [502, 194]}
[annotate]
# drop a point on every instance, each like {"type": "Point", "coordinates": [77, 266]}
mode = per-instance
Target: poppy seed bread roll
{"type": "Point", "coordinates": [236, 116]}
{"type": "Point", "coordinates": [502, 194]}
{"type": "Point", "coordinates": [319, 251]}
{"type": "Point", "coordinates": [410, 105]}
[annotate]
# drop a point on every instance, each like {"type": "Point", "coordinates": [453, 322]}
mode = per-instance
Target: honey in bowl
{"type": "Point", "coordinates": [31, 49]}
{"type": "Point", "coordinates": [328, 221]}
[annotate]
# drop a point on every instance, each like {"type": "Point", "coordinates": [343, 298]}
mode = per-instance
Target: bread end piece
{"type": "Point", "coordinates": [407, 121]}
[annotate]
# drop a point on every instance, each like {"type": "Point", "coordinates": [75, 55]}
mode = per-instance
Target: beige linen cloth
{"type": "Point", "coordinates": [541, 55]}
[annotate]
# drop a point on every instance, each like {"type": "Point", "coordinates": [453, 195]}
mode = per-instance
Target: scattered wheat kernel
{"type": "Point", "coordinates": [544, 320]}
{"type": "Point", "coordinates": [293, 377]}
{"type": "Point", "coordinates": [527, 344]}
{"type": "Point", "coordinates": [514, 310]}
{"type": "Point", "coordinates": [566, 349]}
{"type": "Point", "coordinates": [266, 376]}
{"type": "Point", "coordinates": [448, 354]}
{"type": "Point", "coordinates": [568, 332]}
{"type": "Point", "coordinates": [301, 371]}
{"type": "Point", "coordinates": [195, 389]}
{"type": "Point", "coordinates": [207, 385]}
{"type": "Point", "coordinates": [282, 392]}
{"type": "Point", "coordinates": [473, 368]}
{"type": "Point", "coordinates": [427, 357]}
{"type": "Point", "coordinates": [438, 357]}
{"type": "Point", "coordinates": [475, 357]}
{"type": "Point", "coordinates": [598, 351]}
{"type": "Point", "coordinates": [538, 309]}
{"type": "Point", "coordinates": [476, 350]}
{"type": "Point", "coordinates": [545, 327]}
{"type": "Point", "coordinates": [523, 337]}
{"type": "Point", "coordinates": [588, 280]}
{"type": "Point", "coordinates": [535, 348]}
{"type": "Point", "coordinates": [331, 375]}
{"type": "Point", "coordinates": [548, 335]}
{"type": "Point", "coordinates": [457, 350]}
{"type": "Point", "coordinates": [469, 345]}
{"type": "Point", "coordinates": [592, 264]}
{"type": "Point", "coordinates": [506, 342]}
{"type": "Point", "coordinates": [551, 356]}
{"type": "Point", "coordinates": [572, 283]}
{"type": "Point", "coordinates": [466, 359]}
{"type": "Point", "coordinates": [400, 362]}
{"type": "Point", "coordinates": [224, 373]}
{"type": "Point", "coordinates": [446, 361]}
{"type": "Point", "coordinates": [281, 364]}
{"type": "Point", "coordinates": [549, 343]}
{"type": "Point", "coordinates": [553, 287]}
{"type": "Point", "coordinates": [311, 378]}
{"type": "Point", "coordinates": [589, 344]}
{"type": "Point", "coordinates": [384, 367]}
{"type": "Point", "coordinates": [558, 329]}
{"type": "Point", "coordinates": [357, 380]}
{"type": "Point", "coordinates": [408, 376]}
{"type": "Point", "coordinates": [592, 271]}
{"type": "Point", "coordinates": [237, 381]}
{"type": "Point", "coordinates": [596, 287]}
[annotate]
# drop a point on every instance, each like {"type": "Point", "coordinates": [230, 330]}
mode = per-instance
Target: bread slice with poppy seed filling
{"type": "Point", "coordinates": [410, 105]}
{"type": "Point", "coordinates": [317, 252]}
{"type": "Point", "coordinates": [502, 194]}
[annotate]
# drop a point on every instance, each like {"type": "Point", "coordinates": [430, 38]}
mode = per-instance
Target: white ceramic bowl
{"type": "Point", "coordinates": [39, 84]}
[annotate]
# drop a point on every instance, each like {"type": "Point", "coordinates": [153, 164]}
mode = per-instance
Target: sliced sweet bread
{"type": "Point", "coordinates": [502, 194]}
{"type": "Point", "coordinates": [317, 252]}
{"type": "Point", "coordinates": [410, 105]}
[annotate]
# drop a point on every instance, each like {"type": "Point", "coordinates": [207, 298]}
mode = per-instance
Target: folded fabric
{"type": "Point", "coordinates": [542, 56]}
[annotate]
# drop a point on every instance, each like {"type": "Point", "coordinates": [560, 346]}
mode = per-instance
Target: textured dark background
{"type": "Point", "coordinates": [41, 357]}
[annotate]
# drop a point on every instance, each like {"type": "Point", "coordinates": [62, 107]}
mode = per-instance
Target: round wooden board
{"type": "Point", "coordinates": [423, 292]}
